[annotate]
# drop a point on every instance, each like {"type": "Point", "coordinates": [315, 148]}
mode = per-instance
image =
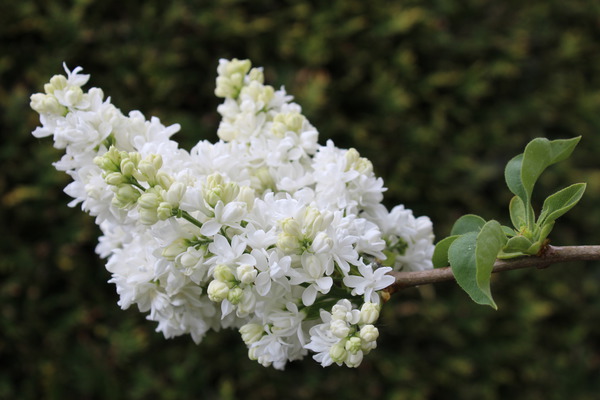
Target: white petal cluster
{"type": "Point", "coordinates": [265, 231]}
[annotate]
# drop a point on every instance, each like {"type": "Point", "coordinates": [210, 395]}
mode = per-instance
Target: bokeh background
{"type": "Point", "coordinates": [438, 94]}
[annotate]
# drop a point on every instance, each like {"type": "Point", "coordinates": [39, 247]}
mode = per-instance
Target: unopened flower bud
{"type": "Point", "coordinates": [57, 82]}
{"type": "Point", "coordinates": [369, 333]}
{"type": "Point", "coordinates": [217, 291]}
{"type": "Point", "coordinates": [246, 195]}
{"type": "Point", "coordinates": [369, 313]}
{"type": "Point", "coordinates": [291, 227]}
{"type": "Point", "coordinates": [235, 295]}
{"type": "Point", "coordinates": [338, 352]}
{"type": "Point", "coordinates": [149, 200]}
{"type": "Point", "coordinates": [115, 178]}
{"type": "Point", "coordinates": [175, 193]}
{"type": "Point", "coordinates": [126, 195]}
{"type": "Point", "coordinates": [256, 74]}
{"type": "Point", "coordinates": [287, 243]}
{"type": "Point", "coordinates": [251, 333]}
{"type": "Point", "coordinates": [339, 328]}
{"type": "Point", "coordinates": [174, 249]}
{"type": "Point", "coordinates": [164, 180]}
{"type": "Point", "coordinates": [148, 216]}
{"type": "Point", "coordinates": [127, 167]}
{"type": "Point", "coordinates": [353, 345]}
{"type": "Point", "coordinates": [223, 273]}
{"type": "Point", "coordinates": [164, 211]}
{"type": "Point", "coordinates": [354, 359]}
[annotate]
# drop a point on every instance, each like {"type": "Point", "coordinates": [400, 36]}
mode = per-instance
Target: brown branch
{"type": "Point", "coordinates": [550, 255]}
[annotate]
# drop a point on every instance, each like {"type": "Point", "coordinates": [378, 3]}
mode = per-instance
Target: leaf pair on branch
{"type": "Point", "coordinates": [474, 244]}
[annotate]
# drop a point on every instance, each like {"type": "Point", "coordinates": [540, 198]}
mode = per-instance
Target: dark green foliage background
{"type": "Point", "coordinates": [438, 94]}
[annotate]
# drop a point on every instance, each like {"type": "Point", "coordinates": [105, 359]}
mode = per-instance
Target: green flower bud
{"type": "Point", "coordinates": [251, 333]}
{"type": "Point", "coordinates": [235, 295]}
{"type": "Point", "coordinates": [353, 345]}
{"type": "Point", "coordinates": [164, 211]}
{"type": "Point", "coordinates": [125, 196]}
{"type": "Point", "coordinates": [369, 313]}
{"type": "Point", "coordinates": [115, 178]}
{"type": "Point", "coordinates": [338, 352]}
{"type": "Point", "coordinates": [174, 249]}
{"type": "Point", "coordinates": [217, 291]}
{"type": "Point", "coordinates": [223, 273]}
{"type": "Point", "coordinates": [369, 333]}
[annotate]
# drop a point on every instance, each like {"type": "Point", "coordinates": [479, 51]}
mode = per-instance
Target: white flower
{"type": "Point", "coordinates": [369, 282]}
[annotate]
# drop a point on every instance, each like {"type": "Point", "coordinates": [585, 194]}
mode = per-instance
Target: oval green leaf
{"type": "Point", "coordinates": [467, 223]}
{"type": "Point", "coordinates": [440, 253]}
{"type": "Point", "coordinates": [560, 202]}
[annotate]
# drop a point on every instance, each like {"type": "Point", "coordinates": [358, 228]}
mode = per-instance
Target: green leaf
{"type": "Point", "coordinates": [467, 223]}
{"type": "Point", "coordinates": [472, 258]}
{"type": "Point", "coordinates": [440, 253]}
{"type": "Point", "coordinates": [560, 202]}
{"type": "Point", "coordinates": [490, 241]}
{"type": "Point", "coordinates": [508, 231]}
{"type": "Point", "coordinates": [512, 175]}
{"type": "Point", "coordinates": [539, 154]}
{"type": "Point", "coordinates": [461, 255]}
{"type": "Point", "coordinates": [517, 212]}
{"type": "Point", "coordinates": [517, 244]}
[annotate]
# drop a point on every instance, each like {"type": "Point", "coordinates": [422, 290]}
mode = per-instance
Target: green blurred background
{"type": "Point", "coordinates": [438, 94]}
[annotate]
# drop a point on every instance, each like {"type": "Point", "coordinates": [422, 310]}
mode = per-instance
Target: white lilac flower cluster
{"type": "Point", "coordinates": [265, 231]}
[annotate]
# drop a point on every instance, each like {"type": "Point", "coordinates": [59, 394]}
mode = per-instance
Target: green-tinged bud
{"type": "Point", "coordinates": [258, 92]}
{"type": "Point", "coordinates": [231, 77]}
{"type": "Point", "coordinates": [351, 156]}
{"type": "Point", "coordinates": [356, 162]}
{"type": "Point", "coordinates": [288, 243]}
{"type": "Point", "coordinates": [256, 74]}
{"type": "Point", "coordinates": [109, 161]}
{"type": "Point", "coordinates": [235, 295]}
{"type": "Point", "coordinates": [223, 273]}
{"type": "Point", "coordinates": [369, 333]}
{"type": "Point", "coordinates": [313, 222]}
{"type": "Point", "coordinates": [115, 178]}
{"type": "Point", "coordinates": [353, 345]}
{"type": "Point", "coordinates": [246, 273]}
{"type": "Point", "coordinates": [175, 193]}
{"type": "Point", "coordinates": [217, 189]}
{"type": "Point", "coordinates": [264, 178]}
{"type": "Point", "coordinates": [217, 291]}
{"type": "Point", "coordinates": [57, 82]}
{"type": "Point", "coordinates": [128, 167]}
{"type": "Point", "coordinates": [251, 333]}
{"type": "Point", "coordinates": [44, 104]}
{"type": "Point", "coordinates": [247, 195]}
{"type": "Point", "coordinates": [291, 227]}
{"type": "Point", "coordinates": [164, 180]}
{"type": "Point", "coordinates": [339, 328]}
{"type": "Point", "coordinates": [164, 211]}
{"type": "Point", "coordinates": [174, 249]}
{"type": "Point", "coordinates": [148, 216]}
{"type": "Point", "coordinates": [125, 196]}
{"type": "Point", "coordinates": [252, 354]}
{"type": "Point", "coordinates": [147, 170]}
{"type": "Point", "coordinates": [278, 129]}
{"type": "Point", "coordinates": [369, 313]}
{"type": "Point", "coordinates": [149, 200]}
{"type": "Point", "coordinates": [354, 359]}
{"type": "Point", "coordinates": [190, 258]}
{"type": "Point", "coordinates": [73, 95]}
{"type": "Point", "coordinates": [338, 352]}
